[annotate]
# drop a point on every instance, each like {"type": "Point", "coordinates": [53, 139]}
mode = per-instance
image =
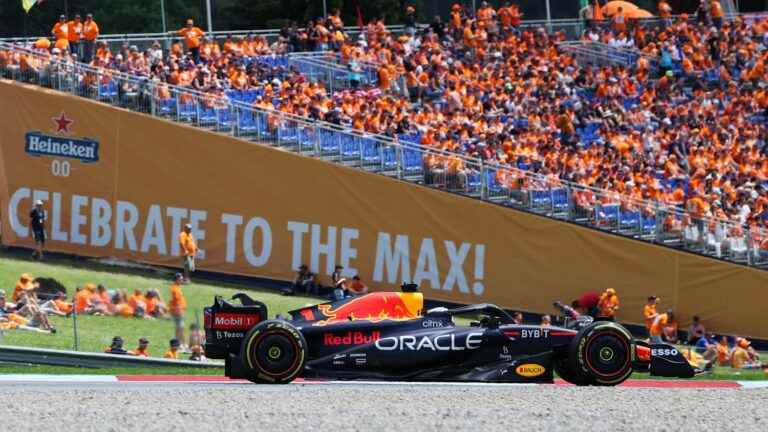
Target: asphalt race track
{"type": "Point", "coordinates": [203, 406]}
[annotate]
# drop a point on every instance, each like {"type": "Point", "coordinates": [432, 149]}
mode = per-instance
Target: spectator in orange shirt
{"type": "Point", "coordinates": [669, 331]}
{"type": "Point", "coordinates": [188, 248]}
{"type": "Point", "coordinates": [24, 284]}
{"type": "Point", "coordinates": [178, 305]}
{"type": "Point", "coordinates": [649, 312]}
{"type": "Point", "coordinates": [138, 302]}
{"type": "Point", "coordinates": [155, 305]}
{"type": "Point", "coordinates": [357, 287]}
{"type": "Point", "coordinates": [723, 352]}
{"type": "Point", "coordinates": [90, 34]}
{"type": "Point", "coordinates": [75, 36]}
{"type": "Point", "coordinates": [82, 300]}
{"type": "Point", "coordinates": [608, 305]}
{"type": "Point", "coordinates": [60, 30]}
{"type": "Point", "coordinates": [173, 350]}
{"type": "Point", "coordinates": [142, 350]}
{"type": "Point", "coordinates": [658, 325]}
{"type": "Point", "coordinates": [192, 36]}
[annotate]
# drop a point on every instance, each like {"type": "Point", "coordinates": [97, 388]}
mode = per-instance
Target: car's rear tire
{"type": "Point", "coordinates": [273, 352]}
{"type": "Point", "coordinates": [600, 354]}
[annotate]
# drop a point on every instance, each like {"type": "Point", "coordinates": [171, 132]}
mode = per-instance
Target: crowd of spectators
{"type": "Point", "coordinates": [31, 305]}
{"type": "Point", "coordinates": [683, 128]}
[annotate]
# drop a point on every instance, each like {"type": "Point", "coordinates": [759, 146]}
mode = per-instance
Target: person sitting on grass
{"type": "Point", "coordinates": [155, 305]}
{"type": "Point", "coordinates": [669, 331]}
{"type": "Point", "coordinates": [116, 347]}
{"type": "Point", "coordinates": [101, 301]}
{"type": "Point", "coordinates": [82, 300]}
{"type": "Point", "coordinates": [743, 357]}
{"type": "Point", "coordinates": [24, 284]}
{"type": "Point", "coordinates": [120, 304]}
{"type": "Point", "coordinates": [10, 320]}
{"type": "Point", "coordinates": [142, 350]}
{"type": "Point", "coordinates": [198, 354]}
{"type": "Point", "coordinates": [29, 308]}
{"type": "Point", "coordinates": [138, 303]}
{"type": "Point", "coordinates": [58, 305]}
{"type": "Point", "coordinates": [196, 336]}
{"type": "Point", "coordinates": [723, 352]}
{"type": "Point", "coordinates": [173, 350]}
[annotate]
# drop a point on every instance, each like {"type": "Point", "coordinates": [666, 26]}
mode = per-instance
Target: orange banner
{"type": "Point", "coordinates": [117, 183]}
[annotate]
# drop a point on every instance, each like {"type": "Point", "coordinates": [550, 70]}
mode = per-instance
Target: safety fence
{"type": "Point", "coordinates": [601, 54]}
{"type": "Point", "coordinates": [402, 157]}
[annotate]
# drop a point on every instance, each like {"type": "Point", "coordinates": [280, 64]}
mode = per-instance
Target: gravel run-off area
{"type": "Point", "coordinates": [399, 408]}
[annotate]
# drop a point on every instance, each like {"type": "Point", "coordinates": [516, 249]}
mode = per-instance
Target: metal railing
{"type": "Point", "coordinates": [53, 357]}
{"type": "Point", "coordinates": [601, 54]}
{"type": "Point", "coordinates": [400, 157]}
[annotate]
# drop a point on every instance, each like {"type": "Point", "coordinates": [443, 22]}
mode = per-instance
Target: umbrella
{"type": "Point", "coordinates": [612, 7]}
{"type": "Point", "coordinates": [638, 13]}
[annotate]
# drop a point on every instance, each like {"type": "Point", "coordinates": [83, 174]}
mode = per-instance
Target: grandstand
{"type": "Point", "coordinates": [676, 161]}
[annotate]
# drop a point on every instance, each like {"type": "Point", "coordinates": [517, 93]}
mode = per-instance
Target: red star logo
{"type": "Point", "coordinates": [62, 123]}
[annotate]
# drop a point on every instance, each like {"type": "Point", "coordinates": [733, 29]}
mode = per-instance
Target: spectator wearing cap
{"type": "Point", "coordinates": [155, 305]}
{"type": "Point", "coordinates": [742, 358]}
{"type": "Point", "coordinates": [90, 34]}
{"type": "Point", "coordinates": [116, 347]}
{"type": "Point", "coordinates": [142, 350]}
{"type": "Point", "coordinates": [173, 350]}
{"type": "Point", "coordinates": [37, 219]}
{"type": "Point", "coordinates": [357, 287]}
{"type": "Point", "coordinates": [178, 305]}
{"type": "Point", "coordinates": [197, 354]}
{"type": "Point", "coordinates": [23, 284]}
{"type": "Point", "coordinates": [60, 30]}
{"type": "Point", "coordinates": [608, 305]}
{"type": "Point", "coordinates": [188, 248]}
{"type": "Point", "coordinates": [649, 312]}
{"type": "Point", "coordinates": [696, 330]}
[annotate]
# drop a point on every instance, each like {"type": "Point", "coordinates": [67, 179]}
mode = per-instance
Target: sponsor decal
{"type": "Point", "coordinates": [530, 370]}
{"type": "Point", "coordinates": [504, 354]}
{"type": "Point", "coordinates": [229, 335]}
{"type": "Point", "coordinates": [664, 352]}
{"type": "Point", "coordinates": [445, 342]}
{"type": "Point", "coordinates": [433, 324]}
{"type": "Point", "coordinates": [39, 144]}
{"type": "Point", "coordinates": [534, 333]}
{"type": "Point", "coordinates": [234, 321]}
{"type": "Point", "coordinates": [351, 338]}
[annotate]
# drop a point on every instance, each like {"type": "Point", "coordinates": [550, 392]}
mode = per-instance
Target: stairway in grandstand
{"type": "Point", "coordinates": [403, 158]}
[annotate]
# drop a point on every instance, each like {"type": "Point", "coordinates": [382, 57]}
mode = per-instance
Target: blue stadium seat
{"type": "Point", "coordinates": [607, 214]}
{"type": "Point", "coordinates": [412, 160]}
{"type": "Point", "coordinates": [245, 121]}
{"type": "Point", "coordinates": [187, 111]}
{"type": "Point", "coordinates": [206, 115]}
{"type": "Point", "coordinates": [108, 90]}
{"type": "Point", "coordinates": [371, 150]}
{"type": "Point", "coordinates": [329, 141]}
{"type": "Point", "coordinates": [287, 133]}
{"type": "Point", "coordinates": [389, 155]}
{"type": "Point", "coordinates": [560, 199]}
{"type": "Point", "coordinates": [629, 219]}
{"type": "Point", "coordinates": [350, 146]}
{"type": "Point", "coordinates": [224, 118]}
{"type": "Point", "coordinates": [167, 106]}
{"type": "Point", "coordinates": [493, 184]}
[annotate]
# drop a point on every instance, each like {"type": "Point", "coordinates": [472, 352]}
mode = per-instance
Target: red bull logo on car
{"type": "Point", "coordinates": [351, 338]}
{"type": "Point", "coordinates": [374, 307]}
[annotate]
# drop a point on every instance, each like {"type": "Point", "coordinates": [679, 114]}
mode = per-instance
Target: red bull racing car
{"type": "Point", "coordinates": [387, 336]}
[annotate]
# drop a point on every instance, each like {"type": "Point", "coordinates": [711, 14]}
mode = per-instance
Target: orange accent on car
{"type": "Point", "coordinates": [643, 353]}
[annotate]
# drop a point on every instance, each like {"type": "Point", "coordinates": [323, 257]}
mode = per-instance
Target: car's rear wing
{"type": "Point", "coordinates": [226, 323]}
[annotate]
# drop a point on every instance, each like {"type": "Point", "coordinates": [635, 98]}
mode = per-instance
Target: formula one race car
{"type": "Point", "coordinates": [385, 336]}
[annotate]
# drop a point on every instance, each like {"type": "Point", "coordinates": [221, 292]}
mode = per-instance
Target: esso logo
{"type": "Point", "coordinates": [664, 352]}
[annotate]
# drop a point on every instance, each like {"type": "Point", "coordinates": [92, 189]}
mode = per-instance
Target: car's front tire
{"type": "Point", "coordinates": [600, 354]}
{"type": "Point", "coordinates": [273, 352]}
